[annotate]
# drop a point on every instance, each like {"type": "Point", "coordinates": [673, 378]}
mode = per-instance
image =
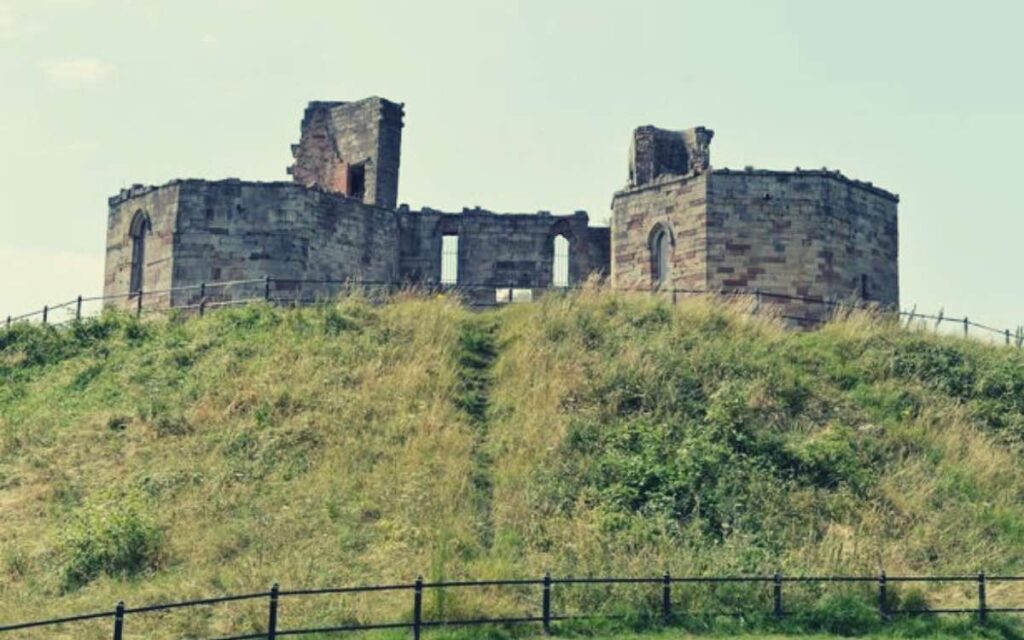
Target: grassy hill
{"type": "Point", "coordinates": [589, 434]}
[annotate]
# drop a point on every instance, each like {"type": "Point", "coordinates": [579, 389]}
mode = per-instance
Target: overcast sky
{"type": "Point", "coordinates": [519, 106]}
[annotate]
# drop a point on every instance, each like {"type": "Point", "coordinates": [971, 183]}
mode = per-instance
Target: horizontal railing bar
{"type": "Point", "coordinates": [231, 283]}
{"type": "Point", "coordinates": [915, 612]}
{"type": "Point", "coordinates": [55, 621]}
{"type": "Point", "coordinates": [829, 578]}
{"type": "Point", "coordinates": [985, 327]}
{"type": "Point", "coordinates": [598, 580]}
{"type": "Point", "coordinates": [248, 636]}
{"type": "Point", "coordinates": [329, 590]}
{"type": "Point", "coordinates": [340, 629]}
{"type": "Point", "coordinates": [931, 578]}
{"type": "Point", "coordinates": [26, 315]}
{"type": "Point", "coordinates": [203, 601]}
{"type": "Point", "coordinates": [482, 583]}
{"type": "Point", "coordinates": [710, 579]}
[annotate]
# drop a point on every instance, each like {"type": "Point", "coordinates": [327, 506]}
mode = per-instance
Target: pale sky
{"type": "Point", "coordinates": [519, 106]}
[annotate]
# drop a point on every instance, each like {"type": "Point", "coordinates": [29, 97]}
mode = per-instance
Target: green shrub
{"type": "Point", "coordinates": [118, 539]}
{"type": "Point", "coordinates": [844, 615]}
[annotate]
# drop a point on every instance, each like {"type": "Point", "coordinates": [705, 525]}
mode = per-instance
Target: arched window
{"type": "Point", "coordinates": [139, 229]}
{"type": "Point", "coordinates": [661, 255]}
{"type": "Point", "coordinates": [450, 259]}
{"type": "Point", "coordinates": [560, 263]}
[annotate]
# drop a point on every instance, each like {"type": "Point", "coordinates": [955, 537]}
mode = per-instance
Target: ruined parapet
{"type": "Point", "coordinates": [658, 152]}
{"type": "Point", "coordinates": [351, 148]}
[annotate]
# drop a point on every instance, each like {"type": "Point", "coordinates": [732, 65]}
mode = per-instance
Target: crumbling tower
{"type": "Point", "coordinates": [352, 148]}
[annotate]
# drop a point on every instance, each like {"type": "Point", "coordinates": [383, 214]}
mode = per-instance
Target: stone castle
{"type": "Point", "coordinates": [678, 224]}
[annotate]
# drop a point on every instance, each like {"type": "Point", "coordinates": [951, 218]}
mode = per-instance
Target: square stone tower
{"type": "Point", "coordinates": [351, 148]}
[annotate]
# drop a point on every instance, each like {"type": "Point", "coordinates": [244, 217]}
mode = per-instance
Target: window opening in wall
{"type": "Point", "coordinates": [560, 265]}
{"type": "Point", "coordinates": [450, 259]}
{"type": "Point", "coordinates": [356, 180]}
{"type": "Point", "coordinates": [660, 252]}
{"type": "Point", "coordinates": [140, 228]}
{"type": "Point", "coordinates": [504, 295]}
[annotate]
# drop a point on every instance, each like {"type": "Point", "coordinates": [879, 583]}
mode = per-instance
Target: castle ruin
{"type": "Point", "coordinates": [678, 225]}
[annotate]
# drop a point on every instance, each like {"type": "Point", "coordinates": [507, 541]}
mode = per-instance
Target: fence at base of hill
{"type": "Point", "coordinates": [805, 311]}
{"type": "Point", "coordinates": [664, 596]}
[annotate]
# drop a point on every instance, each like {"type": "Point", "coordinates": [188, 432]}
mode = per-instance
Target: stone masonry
{"type": "Point", "coordinates": [800, 234]}
{"type": "Point", "coordinates": [814, 234]}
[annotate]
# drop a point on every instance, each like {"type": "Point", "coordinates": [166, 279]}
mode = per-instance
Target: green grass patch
{"type": "Point", "coordinates": [587, 434]}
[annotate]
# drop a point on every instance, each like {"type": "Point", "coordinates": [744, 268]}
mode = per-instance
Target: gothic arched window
{"type": "Point", "coordinates": [560, 262]}
{"type": "Point", "coordinates": [661, 255]}
{"type": "Point", "coordinates": [139, 229]}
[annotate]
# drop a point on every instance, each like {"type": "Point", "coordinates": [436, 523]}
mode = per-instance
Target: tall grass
{"type": "Point", "coordinates": [591, 433]}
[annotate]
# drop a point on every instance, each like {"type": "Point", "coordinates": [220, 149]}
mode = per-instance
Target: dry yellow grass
{"type": "Point", "coordinates": [591, 433]}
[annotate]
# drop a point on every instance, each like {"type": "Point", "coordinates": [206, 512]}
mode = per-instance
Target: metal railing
{"type": "Point", "coordinates": [205, 296]}
{"type": "Point", "coordinates": [664, 592]}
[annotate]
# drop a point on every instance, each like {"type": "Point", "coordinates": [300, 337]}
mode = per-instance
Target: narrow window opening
{"type": "Point", "coordinates": [661, 248]}
{"type": "Point", "coordinates": [450, 259]}
{"type": "Point", "coordinates": [560, 264]}
{"type": "Point", "coordinates": [356, 180]}
{"type": "Point", "coordinates": [139, 229]}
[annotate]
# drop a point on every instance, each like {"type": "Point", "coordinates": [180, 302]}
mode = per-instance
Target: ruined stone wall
{"type": "Point", "coordinates": [499, 250]}
{"type": "Point", "coordinates": [234, 230]}
{"type": "Point", "coordinates": [678, 205]}
{"type": "Point", "coordinates": [161, 207]}
{"type": "Point", "coordinates": [343, 143]}
{"type": "Point", "coordinates": [808, 234]}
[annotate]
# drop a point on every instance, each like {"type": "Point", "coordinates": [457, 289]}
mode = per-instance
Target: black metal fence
{"type": "Point", "coordinates": [805, 311]}
{"type": "Point", "coordinates": [664, 590]}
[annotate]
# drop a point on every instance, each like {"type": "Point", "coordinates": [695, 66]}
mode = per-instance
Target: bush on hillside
{"type": "Point", "coordinates": [119, 539]}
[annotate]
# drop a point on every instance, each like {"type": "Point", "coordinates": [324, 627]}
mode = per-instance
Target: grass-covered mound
{"type": "Point", "coordinates": [590, 434]}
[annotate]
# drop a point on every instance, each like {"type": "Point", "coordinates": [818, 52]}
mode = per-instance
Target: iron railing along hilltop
{"type": "Point", "coordinates": [206, 296]}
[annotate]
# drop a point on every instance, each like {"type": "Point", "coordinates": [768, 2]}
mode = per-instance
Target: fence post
{"type": "Point", "coordinates": [46, 312]}
{"type": "Point", "coordinates": [910, 318]}
{"type": "Point", "coordinates": [202, 307]}
{"type": "Point", "coordinates": [777, 595]}
{"type": "Point", "coordinates": [78, 308]}
{"type": "Point", "coordinates": [757, 300]}
{"type": "Point", "coordinates": [883, 607]}
{"type": "Point", "coordinates": [266, 288]}
{"type": "Point", "coordinates": [938, 320]}
{"type": "Point", "coordinates": [138, 304]}
{"type": "Point", "coordinates": [666, 598]}
{"type": "Point", "coordinates": [417, 608]}
{"type": "Point", "coordinates": [1007, 337]}
{"type": "Point", "coordinates": [546, 604]}
{"type": "Point", "coordinates": [119, 621]}
{"type": "Point", "coordinates": [8, 322]}
{"type": "Point", "coordinates": [966, 325]}
{"type": "Point", "coordinates": [982, 609]}
{"type": "Point", "coordinates": [272, 613]}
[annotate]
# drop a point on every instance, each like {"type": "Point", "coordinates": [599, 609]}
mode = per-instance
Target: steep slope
{"type": "Point", "coordinates": [592, 433]}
